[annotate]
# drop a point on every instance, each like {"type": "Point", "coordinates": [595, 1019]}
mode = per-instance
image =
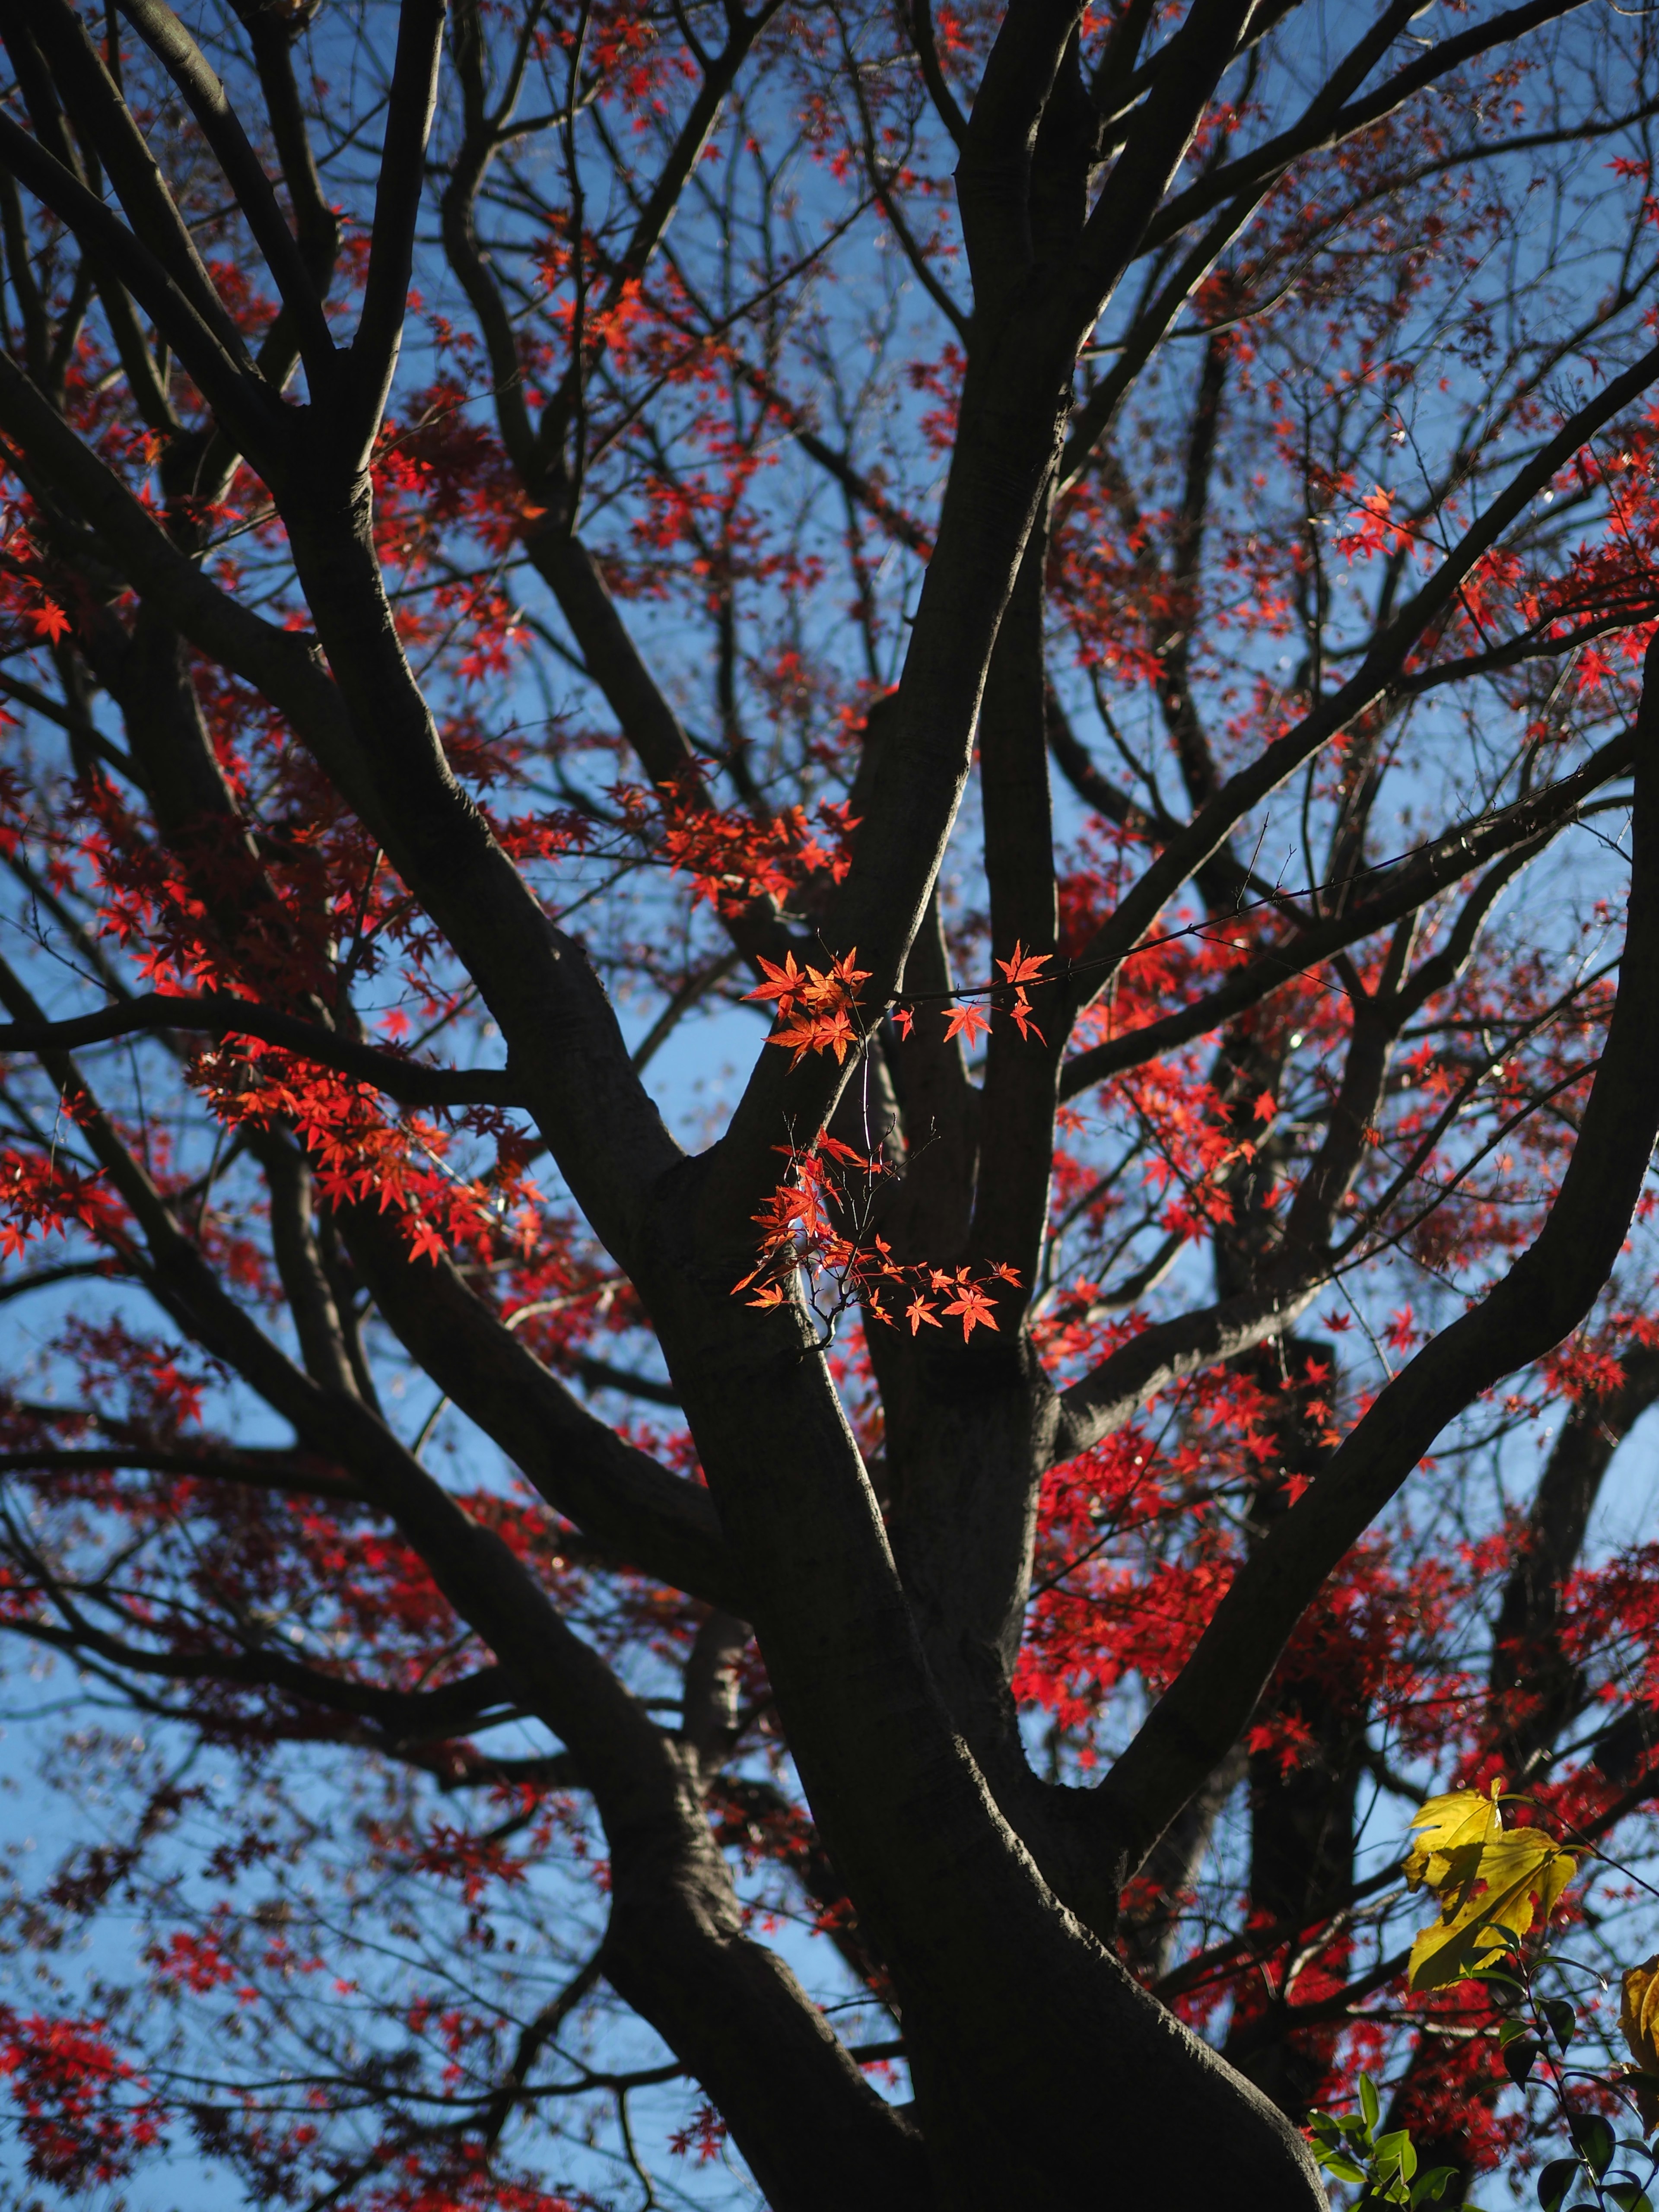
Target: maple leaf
{"type": "Point", "coordinates": [425, 1240]}
{"type": "Point", "coordinates": [918, 1312]}
{"type": "Point", "coordinates": [783, 984]}
{"type": "Point", "coordinates": [800, 1038]}
{"type": "Point", "coordinates": [1265, 1107]}
{"type": "Point", "coordinates": [967, 1021]}
{"type": "Point", "coordinates": [50, 621]}
{"type": "Point", "coordinates": [846, 973]}
{"type": "Point", "coordinates": [1024, 967]}
{"type": "Point", "coordinates": [1021, 1011]}
{"type": "Point", "coordinates": [1401, 1331]}
{"type": "Point", "coordinates": [973, 1308]}
{"type": "Point", "coordinates": [902, 1020]}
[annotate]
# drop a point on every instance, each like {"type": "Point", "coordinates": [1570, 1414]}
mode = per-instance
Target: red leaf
{"type": "Point", "coordinates": [973, 1308]}
{"type": "Point", "coordinates": [50, 621]}
{"type": "Point", "coordinates": [968, 1022]}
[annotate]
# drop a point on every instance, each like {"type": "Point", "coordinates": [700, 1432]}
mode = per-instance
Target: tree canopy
{"type": "Point", "coordinates": [829, 851]}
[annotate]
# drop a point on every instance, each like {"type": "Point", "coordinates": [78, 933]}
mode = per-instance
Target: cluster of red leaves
{"type": "Point", "coordinates": [815, 1006]}
{"type": "Point", "coordinates": [704, 2137]}
{"type": "Point", "coordinates": [29, 611]}
{"type": "Point", "coordinates": [359, 1152]}
{"type": "Point", "coordinates": [970, 1022]}
{"type": "Point", "coordinates": [46, 1196]}
{"type": "Point", "coordinates": [83, 2113]}
{"type": "Point", "coordinates": [817, 1223]}
{"type": "Point", "coordinates": [1133, 1554]}
{"type": "Point", "coordinates": [734, 857]}
{"type": "Point", "coordinates": [167, 905]}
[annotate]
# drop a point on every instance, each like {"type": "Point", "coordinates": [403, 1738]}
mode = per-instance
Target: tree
{"type": "Point", "coordinates": [680, 476]}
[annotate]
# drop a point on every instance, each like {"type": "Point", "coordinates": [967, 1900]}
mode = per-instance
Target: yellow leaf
{"type": "Point", "coordinates": [1446, 1954]}
{"type": "Point", "coordinates": [1557, 1874]}
{"type": "Point", "coordinates": [1461, 1820]}
{"type": "Point", "coordinates": [1639, 2018]}
{"type": "Point", "coordinates": [1638, 2013]}
{"type": "Point", "coordinates": [1492, 1885]}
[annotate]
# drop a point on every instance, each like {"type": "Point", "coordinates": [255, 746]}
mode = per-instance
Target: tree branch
{"type": "Point", "coordinates": [1381, 666]}
{"type": "Point", "coordinates": [206, 342]}
{"type": "Point", "coordinates": [939, 91]}
{"type": "Point", "coordinates": [1526, 825]}
{"type": "Point", "coordinates": [618, 1495]}
{"type": "Point", "coordinates": [1544, 1296]}
{"type": "Point", "coordinates": [220, 1014]}
{"type": "Point", "coordinates": [189, 69]}
{"type": "Point", "coordinates": [294, 1474]}
{"type": "Point", "coordinates": [398, 184]}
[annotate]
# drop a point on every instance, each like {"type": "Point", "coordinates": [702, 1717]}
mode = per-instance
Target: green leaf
{"type": "Point", "coordinates": [1341, 2165]}
{"type": "Point", "coordinates": [1370, 2102]}
{"type": "Point", "coordinates": [1562, 2018]}
{"type": "Point", "coordinates": [1628, 2195]}
{"type": "Point", "coordinates": [1519, 2059]}
{"type": "Point", "coordinates": [1507, 1988]}
{"type": "Point", "coordinates": [1595, 2140]}
{"type": "Point", "coordinates": [1396, 2153]}
{"type": "Point", "coordinates": [1430, 2185]}
{"type": "Point", "coordinates": [1554, 2183]}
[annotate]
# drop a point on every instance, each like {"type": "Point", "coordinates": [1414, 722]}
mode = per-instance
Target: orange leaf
{"type": "Point", "coordinates": [969, 1022]}
{"type": "Point", "coordinates": [782, 983]}
{"type": "Point", "coordinates": [847, 976]}
{"type": "Point", "coordinates": [802, 1036]}
{"type": "Point", "coordinates": [975, 1310]}
{"type": "Point", "coordinates": [1024, 966]}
